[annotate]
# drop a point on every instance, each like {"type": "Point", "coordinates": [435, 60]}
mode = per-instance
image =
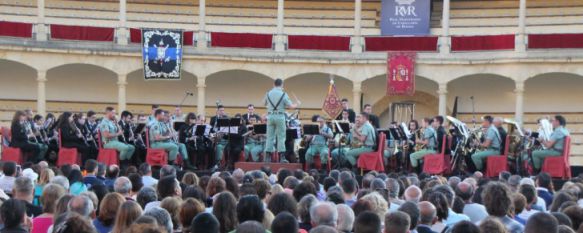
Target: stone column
{"type": "Point", "coordinates": [122, 30]}
{"type": "Point", "coordinates": [201, 41]}
{"type": "Point", "coordinates": [41, 94]}
{"type": "Point", "coordinates": [519, 92]}
{"type": "Point", "coordinates": [445, 40]}
{"type": "Point", "coordinates": [357, 46]}
{"type": "Point", "coordinates": [121, 92]}
{"type": "Point", "coordinates": [280, 38]}
{"type": "Point", "coordinates": [200, 100]}
{"type": "Point", "coordinates": [356, 93]}
{"type": "Point", "coordinates": [442, 92]}
{"type": "Point", "coordinates": [520, 41]}
{"type": "Point", "coordinates": [41, 28]}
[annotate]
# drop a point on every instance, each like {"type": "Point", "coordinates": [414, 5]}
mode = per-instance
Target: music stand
{"type": "Point", "coordinates": [229, 125]}
{"type": "Point", "coordinates": [177, 125]}
{"type": "Point", "coordinates": [311, 129]}
{"type": "Point", "coordinates": [201, 130]}
{"type": "Point", "coordinates": [292, 134]}
{"type": "Point", "coordinates": [260, 128]}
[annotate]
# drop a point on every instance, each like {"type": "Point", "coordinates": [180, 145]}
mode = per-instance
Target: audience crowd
{"type": "Point", "coordinates": [101, 199]}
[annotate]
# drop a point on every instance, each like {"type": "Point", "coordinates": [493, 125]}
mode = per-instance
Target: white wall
{"type": "Point", "coordinates": [160, 91]}
{"type": "Point", "coordinates": [491, 93]}
{"type": "Point", "coordinates": [237, 88]}
{"type": "Point", "coordinates": [81, 82]}
{"type": "Point", "coordinates": [17, 81]}
{"type": "Point", "coordinates": [556, 92]}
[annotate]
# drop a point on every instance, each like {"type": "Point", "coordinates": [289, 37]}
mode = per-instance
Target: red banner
{"type": "Point", "coordinates": [332, 105]}
{"type": "Point", "coordinates": [401, 73]}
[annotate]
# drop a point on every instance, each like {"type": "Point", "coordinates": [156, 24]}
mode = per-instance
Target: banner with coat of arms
{"type": "Point", "coordinates": [332, 105]}
{"type": "Point", "coordinates": [401, 73]}
{"type": "Point", "coordinates": [162, 54]}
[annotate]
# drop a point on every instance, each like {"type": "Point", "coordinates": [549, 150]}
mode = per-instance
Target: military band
{"type": "Point", "coordinates": [215, 148]}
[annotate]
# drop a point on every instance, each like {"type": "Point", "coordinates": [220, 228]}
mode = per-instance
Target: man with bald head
{"type": "Point", "coordinates": [413, 194]}
{"type": "Point", "coordinates": [427, 217]}
{"type": "Point", "coordinates": [475, 211]}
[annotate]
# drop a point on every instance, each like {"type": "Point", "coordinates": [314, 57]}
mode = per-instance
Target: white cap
{"type": "Point", "coordinates": [30, 174]}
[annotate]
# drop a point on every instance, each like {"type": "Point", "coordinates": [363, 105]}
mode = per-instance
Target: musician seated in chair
{"type": "Point", "coordinates": [21, 138]}
{"type": "Point", "coordinates": [319, 143]}
{"type": "Point", "coordinates": [255, 142]}
{"type": "Point", "coordinates": [174, 139]}
{"type": "Point", "coordinates": [554, 145]}
{"type": "Point", "coordinates": [161, 137]}
{"type": "Point", "coordinates": [429, 140]}
{"type": "Point", "coordinates": [71, 136]}
{"type": "Point", "coordinates": [392, 146]}
{"type": "Point", "coordinates": [363, 139]}
{"type": "Point", "coordinates": [492, 142]}
{"type": "Point", "coordinates": [110, 133]}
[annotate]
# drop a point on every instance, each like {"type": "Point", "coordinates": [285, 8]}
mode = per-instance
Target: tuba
{"type": "Point", "coordinates": [516, 137]}
{"type": "Point", "coordinates": [544, 131]}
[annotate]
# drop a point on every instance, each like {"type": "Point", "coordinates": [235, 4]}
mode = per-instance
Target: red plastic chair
{"type": "Point", "coordinates": [13, 154]}
{"type": "Point", "coordinates": [318, 161]}
{"type": "Point", "coordinates": [155, 157]}
{"type": "Point", "coordinates": [437, 164]}
{"type": "Point", "coordinates": [559, 166]}
{"type": "Point", "coordinates": [67, 155]}
{"type": "Point", "coordinates": [106, 156]}
{"type": "Point", "coordinates": [373, 161]}
{"type": "Point", "coordinates": [498, 163]}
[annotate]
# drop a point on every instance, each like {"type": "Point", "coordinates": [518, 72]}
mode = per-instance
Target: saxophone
{"type": "Point", "coordinates": [418, 145]}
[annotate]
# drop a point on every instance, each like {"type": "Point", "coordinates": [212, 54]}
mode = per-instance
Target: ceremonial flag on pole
{"type": "Point", "coordinates": [401, 73]}
{"type": "Point", "coordinates": [332, 105]}
{"type": "Point", "coordinates": [162, 53]}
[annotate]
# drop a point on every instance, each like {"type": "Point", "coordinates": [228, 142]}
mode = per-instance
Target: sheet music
{"type": "Point", "coordinates": [233, 130]}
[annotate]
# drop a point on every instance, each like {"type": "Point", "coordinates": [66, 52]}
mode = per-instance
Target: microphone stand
{"type": "Point", "coordinates": [473, 113]}
{"type": "Point", "coordinates": [186, 95]}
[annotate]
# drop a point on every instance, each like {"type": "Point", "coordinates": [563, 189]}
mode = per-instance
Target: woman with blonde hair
{"type": "Point", "coordinates": [45, 176]}
{"type": "Point", "coordinates": [128, 212]}
{"type": "Point", "coordinates": [190, 178]}
{"type": "Point", "coordinates": [172, 205]}
{"type": "Point", "coordinates": [379, 204]}
{"type": "Point", "coordinates": [49, 198]}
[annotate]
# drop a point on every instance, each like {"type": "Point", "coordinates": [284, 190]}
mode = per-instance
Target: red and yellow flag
{"type": "Point", "coordinates": [332, 105]}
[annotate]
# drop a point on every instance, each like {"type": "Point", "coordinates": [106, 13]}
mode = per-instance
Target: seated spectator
{"type": "Point", "coordinates": [128, 212]}
{"type": "Point", "coordinates": [250, 208]}
{"type": "Point", "coordinates": [324, 213]}
{"type": "Point", "coordinates": [76, 180]}
{"type": "Point", "coordinates": [188, 210]}
{"type": "Point", "coordinates": [204, 223]}
{"type": "Point", "coordinates": [476, 212]}
{"type": "Point", "coordinates": [45, 177]}
{"type": "Point", "coordinates": [498, 202]}
{"type": "Point", "coordinates": [544, 187]}
{"type": "Point", "coordinates": [440, 202]}
{"type": "Point", "coordinates": [452, 217]}
{"type": "Point", "coordinates": [90, 178]}
{"type": "Point", "coordinates": [367, 222]}
{"type": "Point", "coordinates": [7, 181]}
{"type": "Point", "coordinates": [284, 222]}
{"type": "Point", "coordinates": [413, 193]}
{"type": "Point", "coordinates": [107, 212]}
{"type": "Point", "coordinates": [323, 229]}
{"type": "Point", "coordinates": [13, 215]}
{"type": "Point", "coordinates": [23, 190]}
{"type": "Point", "coordinates": [110, 175]}
{"type": "Point", "coordinates": [541, 223]}
{"type": "Point", "coordinates": [397, 222]}
{"type": "Point", "coordinates": [575, 213]}
{"type": "Point", "coordinates": [49, 198]}
{"type": "Point", "coordinates": [137, 185]}
{"type": "Point", "coordinates": [492, 225]}
{"type": "Point", "coordinates": [62, 181]}
{"type": "Point", "coordinates": [123, 186]}
{"type": "Point", "coordinates": [162, 217]}
{"type": "Point", "coordinates": [304, 211]}
{"type": "Point", "coordinates": [146, 171]}
{"type": "Point", "coordinates": [75, 223]}
{"type": "Point", "coordinates": [529, 193]}
{"type": "Point", "coordinates": [224, 208]}
{"type": "Point", "coordinates": [379, 204]}
{"type": "Point", "coordinates": [465, 227]}
{"type": "Point", "coordinates": [146, 195]}
{"type": "Point", "coordinates": [282, 202]}
{"type": "Point", "coordinates": [345, 218]}
{"type": "Point", "coordinates": [172, 205]}
{"type": "Point", "coordinates": [412, 210]}
{"type": "Point", "coordinates": [250, 227]}
{"type": "Point", "coordinates": [427, 216]}
{"type": "Point", "coordinates": [349, 188]}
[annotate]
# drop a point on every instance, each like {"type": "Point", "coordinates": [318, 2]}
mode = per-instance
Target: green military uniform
{"type": "Point", "coordinates": [366, 130]}
{"type": "Point", "coordinates": [160, 129]}
{"type": "Point", "coordinates": [254, 147]}
{"type": "Point", "coordinates": [276, 101]}
{"type": "Point", "coordinates": [341, 150]}
{"type": "Point", "coordinates": [558, 136]}
{"type": "Point", "coordinates": [494, 149]}
{"type": "Point", "coordinates": [125, 150]}
{"type": "Point", "coordinates": [319, 145]}
{"type": "Point", "coordinates": [430, 135]}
